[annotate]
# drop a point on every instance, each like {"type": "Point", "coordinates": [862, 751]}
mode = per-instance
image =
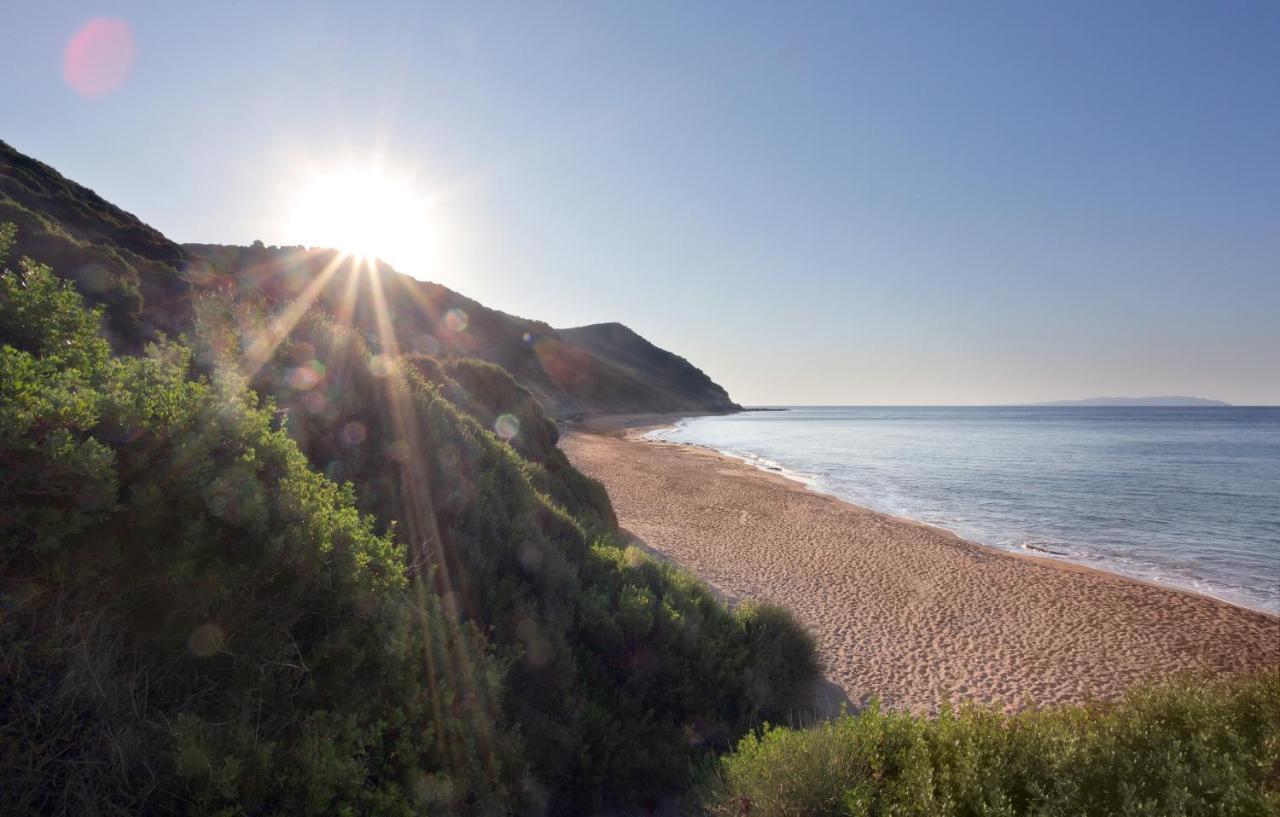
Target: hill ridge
{"type": "Point", "coordinates": [148, 283]}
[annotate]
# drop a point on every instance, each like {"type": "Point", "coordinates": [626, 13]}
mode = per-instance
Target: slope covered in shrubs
{"type": "Point", "coordinates": [664, 370]}
{"type": "Point", "coordinates": [197, 621]}
{"type": "Point", "coordinates": [114, 259]}
{"type": "Point", "coordinates": [320, 585]}
{"type": "Point", "coordinates": [618, 667]}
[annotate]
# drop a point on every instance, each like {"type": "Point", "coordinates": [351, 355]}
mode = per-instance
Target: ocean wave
{"type": "Point", "coordinates": [754, 460]}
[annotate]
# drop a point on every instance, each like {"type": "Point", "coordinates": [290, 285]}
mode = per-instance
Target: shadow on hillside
{"type": "Point", "coordinates": [829, 698]}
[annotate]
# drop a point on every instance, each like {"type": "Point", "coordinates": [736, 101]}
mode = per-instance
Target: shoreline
{"type": "Point", "coordinates": [903, 610]}
{"type": "Point", "coordinates": [637, 433]}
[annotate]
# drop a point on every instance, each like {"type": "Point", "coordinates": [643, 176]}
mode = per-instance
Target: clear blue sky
{"type": "Point", "coordinates": [816, 203]}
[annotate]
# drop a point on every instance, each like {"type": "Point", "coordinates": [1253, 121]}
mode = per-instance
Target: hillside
{"type": "Point", "coordinates": [569, 376]}
{"type": "Point", "coordinates": [671, 374]}
{"type": "Point", "coordinates": [148, 283]}
{"type": "Point", "coordinates": [113, 258]}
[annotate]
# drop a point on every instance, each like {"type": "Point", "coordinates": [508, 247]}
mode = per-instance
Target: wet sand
{"type": "Point", "coordinates": [906, 612]}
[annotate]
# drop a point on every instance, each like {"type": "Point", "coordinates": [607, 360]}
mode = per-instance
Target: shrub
{"type": "Point", "coordinates": [197, 622]}
{"type": "Point", "coordinates": [1185, 747]}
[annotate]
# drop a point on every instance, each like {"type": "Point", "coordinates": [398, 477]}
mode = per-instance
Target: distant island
{"type": "Point", "coordinates": [1165, 402]}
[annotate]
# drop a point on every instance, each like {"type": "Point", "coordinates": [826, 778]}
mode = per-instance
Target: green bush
{"type": "Point", "coordinates": [521, 544]}
{"type": "Point", "coordinates": [324, 585]}
{"type": "Point", "coordinates": [493, 397]}
{"type": "Point", "coordinates": [1181, 748]}
{"type": "Point", "coordinates": [195, 621]}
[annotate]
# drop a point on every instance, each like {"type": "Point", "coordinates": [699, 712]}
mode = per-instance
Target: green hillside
{"type": "Point", "coordinates": [278, 539]}
{"type": "Point", "coordinates": [337, 592]}
{"type": "Point", "coordinates": [668, 372]}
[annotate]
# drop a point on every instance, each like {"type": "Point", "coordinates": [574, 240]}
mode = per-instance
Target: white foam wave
{"type": "Point", "coordinates": [892, 504]}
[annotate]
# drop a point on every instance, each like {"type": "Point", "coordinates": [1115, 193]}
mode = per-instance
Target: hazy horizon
{"type": "Point", "coordinates": [826, 205]}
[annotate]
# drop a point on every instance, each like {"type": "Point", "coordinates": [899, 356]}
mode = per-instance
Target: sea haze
{"type": "Point", "coordinates": [1183, 496]}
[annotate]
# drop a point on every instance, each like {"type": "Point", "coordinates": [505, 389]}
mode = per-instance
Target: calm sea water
{"type": "Point", "coordinates": [1184, 496]}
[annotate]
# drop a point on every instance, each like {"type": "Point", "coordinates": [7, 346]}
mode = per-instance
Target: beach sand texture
{"type": "Point", "coordinates": [903, 611]}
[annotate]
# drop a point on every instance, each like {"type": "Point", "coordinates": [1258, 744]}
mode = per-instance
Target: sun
{"type": "Point", "coordinates": [365, 213]}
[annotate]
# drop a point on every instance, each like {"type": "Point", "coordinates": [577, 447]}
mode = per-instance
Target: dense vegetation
{"type": "Point", "coordinates": [1173, 750]}
{"type": "Point", "coordinates": [199, 621]}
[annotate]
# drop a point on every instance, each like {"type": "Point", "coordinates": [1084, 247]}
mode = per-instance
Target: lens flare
{"type": "Point", "coordinates": [354, 432]}
{"type": "Point", "coordinates": [379, 366]}
{"type": "Point", "coordinates": [456, 320]}
{"type": "Point", "coordinates": [303, 378]}
{"type": "Point", "coordinates": [426, 345]}
{"type": "Point", "coordinates": [99, 57]}
{"type": "Point", "coordinates": [315, 402]}
{"type": "Point", "coordinates": [206, 640]}
{"type": "Point", "coordinates": [568, 366]}
{"type": "Point", "coordinates": [506, 426]}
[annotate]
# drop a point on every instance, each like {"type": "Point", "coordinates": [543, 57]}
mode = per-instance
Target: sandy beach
{"type": "Point", "coordinates": [901, 610]}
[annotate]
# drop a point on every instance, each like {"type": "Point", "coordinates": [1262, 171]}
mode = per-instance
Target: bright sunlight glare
{"type": "Point", "coordinates": [364, 213]}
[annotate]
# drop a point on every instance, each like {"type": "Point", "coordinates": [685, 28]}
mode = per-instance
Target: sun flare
{"type": "Point", "coordinates": [365, 213]}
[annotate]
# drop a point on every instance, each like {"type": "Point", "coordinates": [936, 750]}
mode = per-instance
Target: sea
{"type": "Point", "coordinates": [1188, 497]}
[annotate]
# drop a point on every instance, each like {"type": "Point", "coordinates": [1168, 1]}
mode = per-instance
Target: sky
{"type": "Point", "coordinates": [844, 203]}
